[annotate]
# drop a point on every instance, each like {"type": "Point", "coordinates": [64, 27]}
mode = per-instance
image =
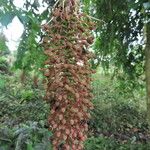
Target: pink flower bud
{"type": "Point", "coordinates": [64, 137]}
{"type": "Point", "coordinates": [54, 142]}
{"type": "Point", "coordinates": [63, 110]}
{"type": "Point", "coordinates": [67, 131]}
{"type": "Point", "coordinates": [71, 122]}
{"type": "Point", "coordinates": [58, 134]}
{"type": "Point", "coordinates": [54, 126]}
{"type": "Point", "coordinates": [64, 121]}
{"type": "Point", "coordinates": [52, 111]}
{"type": "Point", "coordinates": [67, 147]}
{"type": "Point", "coordinates": [60, 117]}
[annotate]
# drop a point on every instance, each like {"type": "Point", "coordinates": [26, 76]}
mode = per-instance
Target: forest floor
{"type": "Point", "coordinates": [118, 120]}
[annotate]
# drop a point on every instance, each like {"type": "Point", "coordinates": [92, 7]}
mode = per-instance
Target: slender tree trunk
{"type": "Point", "coordinates": [147, 69]}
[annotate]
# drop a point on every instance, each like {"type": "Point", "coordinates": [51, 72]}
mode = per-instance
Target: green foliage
{"type": "Point", "coordinates": [6, 12]}
{"type": "Point", "coordinates": [23, 117]}
{"type": "Point", "coordinates": [30, 136]}
{"type": "Point", "coordinates": [20, 103]}
{"type": "Point", "coordinates": [29, 47]}
{"type": "Point", "coordinates": [117, 114]}
{"type": "Point", "coordinates": [103, 143]}
{"type": "Point", "coordinates": [6, 18]}
{"type": "Point", "coordinates": [117, 123]}
{"type": "Point", "coordinates": [12, 111]}
{"type": "Point", "coordinates": [27, 95]}
{"type": "Point", "coordinates": [4, 66]}
{"type": "Point", "coordinates": [3, 46]}
{"type": "Point", "coordinates": [122, 117]}
{"type": "Point", "coordinates": [120, 27]}
{"type": "Point", "coordinates": [108, 90]}
{"type": "Point", "coordinates": [2, 82]}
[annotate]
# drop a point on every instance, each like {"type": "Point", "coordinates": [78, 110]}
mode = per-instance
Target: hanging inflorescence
{"type": "Point", "coordinates": [68, 74]}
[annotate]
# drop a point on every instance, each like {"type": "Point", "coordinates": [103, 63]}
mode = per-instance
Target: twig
{"type": "Point", "coordinates": [96, 19]}
{"type": "Point", "coordinates": [53, 9]}
{"type": "Point", "coordinates": [49, 21]}
{"type": "Point", "coordinates": [56, 3]}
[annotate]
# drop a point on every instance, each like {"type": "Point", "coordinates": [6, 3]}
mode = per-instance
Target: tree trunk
{"type": "Point", "coordinates": [147, 69]}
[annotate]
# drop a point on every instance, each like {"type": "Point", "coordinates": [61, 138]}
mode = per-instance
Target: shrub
{"type": "Point", "coordinates": [102, 143]}
{"type": "Point", "coordinates": [30, 136]}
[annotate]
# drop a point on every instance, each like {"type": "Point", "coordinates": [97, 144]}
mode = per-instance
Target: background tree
{"type": "Point", "coordinates": [3, 54]}
{"type": "Point", "coordinates": [147, 67]}
{"type": "Point", "coordinates": [31, 19]}
{"type": "Point", "coordinates": [120, 39]}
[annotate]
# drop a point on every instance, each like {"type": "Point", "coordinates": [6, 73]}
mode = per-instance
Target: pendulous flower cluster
{"type": "Point", "coordinates": [68, 73]}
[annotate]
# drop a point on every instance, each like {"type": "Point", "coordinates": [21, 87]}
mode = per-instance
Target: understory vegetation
{"type": "Point", "coordinates": [117, 122]}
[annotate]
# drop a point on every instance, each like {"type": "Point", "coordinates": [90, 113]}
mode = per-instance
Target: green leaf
{"type": "Point", "coordinates": [2, 83]}
{"type": "Point", "coordinates": [146, 5]}
{"type": "Point", "coordinates": [6, 18]}
{"type": "Point", "coordinates": [29, 146]}
{"type": "Point", "coordinates": [23, 18]}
